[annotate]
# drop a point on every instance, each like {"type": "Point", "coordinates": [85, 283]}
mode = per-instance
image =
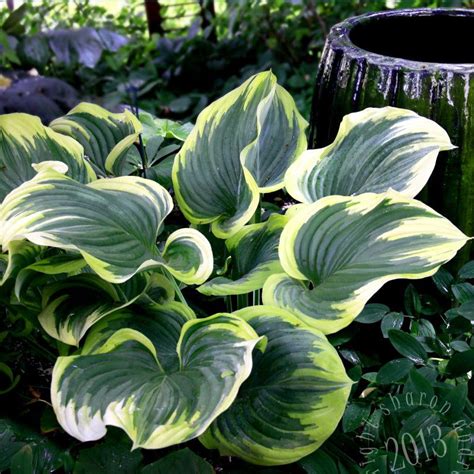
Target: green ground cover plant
{"type": "Point", "coordinates": [207, 295]}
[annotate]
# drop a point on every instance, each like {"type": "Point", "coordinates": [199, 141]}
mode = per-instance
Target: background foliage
{"type": "Point", "coordinates": [177, 75]}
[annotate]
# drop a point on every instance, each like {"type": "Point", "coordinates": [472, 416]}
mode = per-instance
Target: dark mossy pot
{"type": "Point", "coordinates": [422, 60]}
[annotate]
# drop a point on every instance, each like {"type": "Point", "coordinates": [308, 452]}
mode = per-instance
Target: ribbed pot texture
{"type": "Point", "coordinates": [418, 59]}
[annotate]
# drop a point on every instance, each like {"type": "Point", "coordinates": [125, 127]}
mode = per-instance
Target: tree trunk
{"type": "Point", "coordinates": [208, 13]}
{"type": "Point", "coordinates": [153, 16]}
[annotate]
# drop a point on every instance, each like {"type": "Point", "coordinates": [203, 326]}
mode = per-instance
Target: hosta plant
{"type": "Point", "coordinates": [182, 303]}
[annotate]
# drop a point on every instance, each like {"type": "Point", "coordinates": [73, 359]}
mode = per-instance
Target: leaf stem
{"type": "Point", "coordinates": [141, 149]}
{"type": "Point", "coordinates": [43, 351]}
{"type": "Point", "coordinates": [175, 284]}
{"type": "Point", "coordinates": [242, 301]}
{"type": "Point", "coordinates": [257, 217]}
{"type": "Point", "coordinates": [228, 302]}
{"type": "Point", "coordinates": [256, 297]}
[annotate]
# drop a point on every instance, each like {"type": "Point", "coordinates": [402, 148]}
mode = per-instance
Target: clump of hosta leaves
{"type": "Point", "coordinates": [95, 255]}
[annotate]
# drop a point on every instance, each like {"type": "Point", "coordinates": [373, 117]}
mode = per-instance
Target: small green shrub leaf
{"type": "Point", "coordinates": [153, 126]}
{"type": "Point", "coordinates": [450, 461]}
{"type": "Point", "coordinates": [467, 271]}
{"type": "Point", "coordinates": [461, 363]}
{"type": "Point", "coordinates": [393, 371]}
{"type": "Point", "coordinates": [391, 321]}
{"type": "Point", "coordinates": [407, 346]}
{"type": "Point", "coordinates": [443, 281]}
{"type": "Point", "coordinates": [372, 313]}
{"type": "Point", "coordinates": [183, 460]}
{"type": "Point", "coordinates": [463, 292]}
{"type": "Point", "coordinates": [113, 456]}
{"type": "Point", "coordinates": [319, 462]}
{"type": "Point", "coordinates": [466, 310]}
{"type": "Point", "coordinates": [355, 414]}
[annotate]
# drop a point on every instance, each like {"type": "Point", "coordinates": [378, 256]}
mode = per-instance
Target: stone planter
{"type": "Point", "coordinates": [422, 60]}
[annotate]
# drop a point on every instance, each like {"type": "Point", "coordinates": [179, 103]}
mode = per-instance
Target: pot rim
{"type": "Point", "coordinates": [339, 37]}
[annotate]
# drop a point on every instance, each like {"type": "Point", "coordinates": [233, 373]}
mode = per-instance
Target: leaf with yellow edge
{"type": "Point", "coordinates": [162, 386]}
{"type": "Point", "coordinates": [97, 129]}
{"type": "Point", "coordinates": [114, 224]}
{"type": "Point", "coordinates": [241, 145]}
{"type": "Point", "coordinates": [375, 150]}
{"type": "Point", "coordinates": [24, 140]}
{"type": "Point", "coordinates": [340, 250]}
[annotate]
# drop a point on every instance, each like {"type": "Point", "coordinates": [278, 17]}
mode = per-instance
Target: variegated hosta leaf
{"type": "Point", "coordinates": [158, 322]}
{"type": "Point", "coordinates": [124, 157]}
{"type": "Point", "coordinates": [68, 263]}
{"type": "Point", "coordinates": [113, 223]}
{"type": "Point", "coordinates": [375, 150]}
{"type": "Point", "coordinates": [160, 290]}
{"type": "Point", "coordinates": [40, 273]}
{"type": "Point", "coordinates": [340, 250]}
{"type": "Point", "coordinates": [158, 399]}
{"type": "Point", "coordinates": [241, 144]}
{"type": "Point", "coordinates": [292, 401]}
{"type": "Point", "coordinates": [24, 140]}
{"type": "Point", "coordinates": [188, 256]}
{"type": "Point", "coordinates": [21, 254]}
{"type": "Point", "coordinates": [97, 129]}
{"type": "Point", "coordinates": [74, 305]}
{"type": "Point", "coordinates": [254, 257]}
{"type": "Point", "coordinates": [280, 140]}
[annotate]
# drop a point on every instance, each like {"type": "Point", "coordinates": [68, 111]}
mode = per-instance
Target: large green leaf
{"type": "Point", "coordinates": [113, 223]}
{"type": "Point", "coordinates": [254, 257]}
{"type": "Point", "coordinates": [112, 456]}
{"type": "Point", "coordinates": [183, 460]}
{"type": "Point", "coordinates": [157, 399]}
{"type": "Point", "coordinates": [24, 140]}
{"type": "Point", "coordinates": [97, 129]}
{"type": "Point", "coordinates": [73, 305]}
{"type": "Point", "coordinates": [292, 401]}
{"type": "Point", "coordinates": [375, 150]}
{"type": "Point", "coordinates": [340, 250]}
{"type": "Point", "coordinates": [25, 451]}
{"type": "Point", "coordinates": [242, 144]}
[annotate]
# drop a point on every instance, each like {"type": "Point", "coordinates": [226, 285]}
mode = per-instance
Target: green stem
{"type": "Point", "coordinates": [242, 301]}
{"type": "Point", "coordinates": [40, 349]}
{"type": "Point", "coordinates": [176, 287]}
{"type": "Point", "coordinates": [228, 303]}
{"type": "Point", "coordinates": [256, 297]}
{"type": "Point", "coordinates": [257, 217]}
